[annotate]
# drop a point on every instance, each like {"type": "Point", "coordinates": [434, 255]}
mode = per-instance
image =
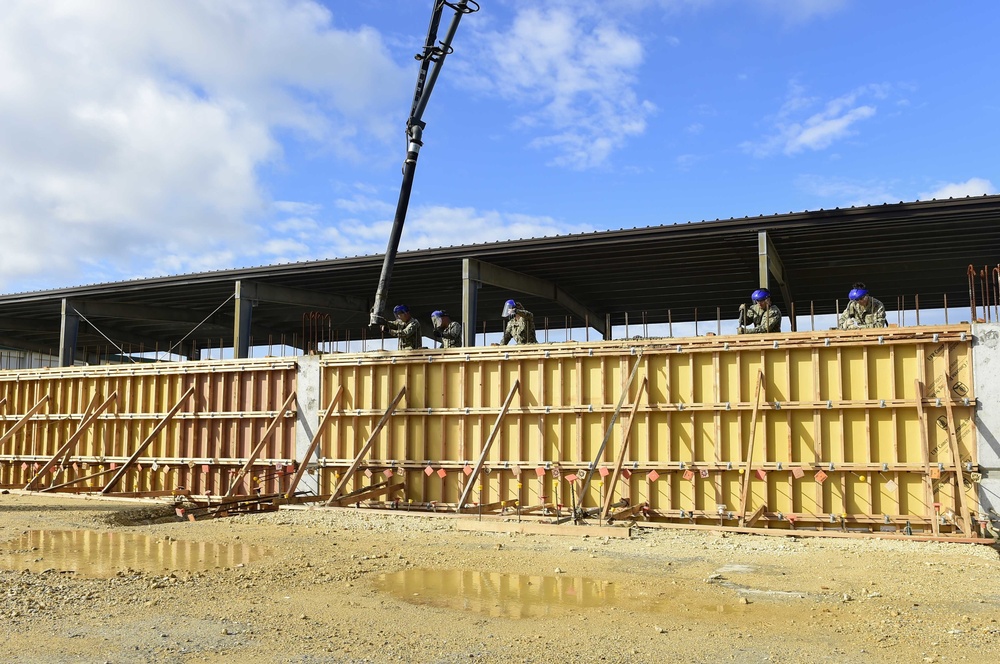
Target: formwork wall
{"type": "Point", "coordinates": [842, 436]}
{"type": "Point", "coordinates": [198, 448]}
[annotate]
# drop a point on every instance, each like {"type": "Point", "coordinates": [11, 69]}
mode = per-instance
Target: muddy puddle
{"type": "Point", "coordinates": [101, 554]}
{"type": "Point", "coordinates": [527, 596]}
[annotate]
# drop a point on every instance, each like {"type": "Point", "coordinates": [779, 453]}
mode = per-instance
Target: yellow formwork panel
{"type": "Point", "coordinates": [216, 426]}
{"type": "Point", "coordinates": [839, 440]}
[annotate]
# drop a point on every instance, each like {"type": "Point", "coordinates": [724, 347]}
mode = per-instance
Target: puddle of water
{"type": "Point", "coordinates": [101, 554]}
{"type": "Point", "coordinates": [495, 594]}
{"type": "Point", "coordinates": [522, 595]}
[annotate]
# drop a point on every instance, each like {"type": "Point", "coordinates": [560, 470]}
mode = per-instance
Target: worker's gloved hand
{"type": "Point", "coordinates": [437, 333]}
{"type": "Point", "coordinates": [743, 307]}
{"type": "Point", "coordinates": [741, 330]}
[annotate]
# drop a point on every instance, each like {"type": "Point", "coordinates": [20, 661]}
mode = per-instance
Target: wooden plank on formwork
{"type": "Point", "coordinates": [94, 402]}
{"type": "Point", "coordinates": [366, 493]}
{"type": "Point", "coordinates": [744, 494]}
{"type": "Point", "coordinates": [68, 446]}
{"type": "Point", "coordinates": [487, 445]}
{"type": "Point", "coordinates": [627, 512]}
{"type": "Point", "coordinates": [609, 498]}
{"type": "Point", "coordinates": [489, 507]}
{"type": "Point", "coordinates": [79, 479]}
{"type": "Point", "coordinates": [925, 451]}
{"type": "Point", "coordinates": [367, 446]}
{"type": "Point", "coordinates": [314, 444]}
{"type": "Point", "coordinates": [964, 521]}
{"type": "Point", "coordinates": [607, 435]}
{"type": "Point", "coordinates": [147, 442]}
{"type": "Point", "coordinates": [24, 420]}
{"type": "Point", "coordinates": [757, 513]}
{"type": "Point", "coordinates": [471, 525]}
{"type": "Point", "coordinates": [799, 532]}
{"type": "Point", "coordinates": [260, 445]}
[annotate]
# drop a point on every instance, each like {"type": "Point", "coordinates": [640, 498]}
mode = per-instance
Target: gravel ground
{"type": "Point", "coordinates": [364, 586]}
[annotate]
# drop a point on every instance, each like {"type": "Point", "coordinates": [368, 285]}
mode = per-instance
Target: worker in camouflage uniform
{"type": "Point", "coordinates": [446, 330]}
{"type": "Point", "coordinates": [520, 326]}
{"type": "Point", "coordinates": [406, 328]}
{"type": "Point", "coordinates": [862, 311]}
{"type": "Point", "coordinates": [762, 316]}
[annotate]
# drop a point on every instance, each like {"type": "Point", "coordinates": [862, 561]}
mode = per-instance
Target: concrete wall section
{"type": "Point", "coordinates": [986, 371]}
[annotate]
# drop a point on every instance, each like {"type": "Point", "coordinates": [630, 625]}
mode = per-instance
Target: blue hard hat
{"type": "Point", "coordinates": [400, 309]}
{"type": "Point", "coordinates": [857, 293]}
{"type": "Point", "coordinates": [510, 303]}
{"type": "Point", "coordinates": [760, 295]}
{"type": "Point", "coordinates": [439, 314]}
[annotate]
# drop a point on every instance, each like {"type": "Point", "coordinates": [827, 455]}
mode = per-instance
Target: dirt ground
{"type": "Point", "coordinates": [364, 586]}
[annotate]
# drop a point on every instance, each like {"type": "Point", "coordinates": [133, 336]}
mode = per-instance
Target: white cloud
{"type": "Point", "coordinates": [132, 132]}
{"type": "Point", "coordinates": [574, 70]}
{"type": "Point", "coordinates": [796, 127]}
{"type": "Point", "coordinates": [847, 193]}
{"type": "Point", "coordinates": [971, 187]}
{"type": "Point", "coordinates": [427, 226]}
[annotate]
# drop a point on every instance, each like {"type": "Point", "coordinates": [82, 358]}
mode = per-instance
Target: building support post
{"type": "Point", "coordinates": [69, 330]}
{"type": "Point", "coordinates": [241, 325]}
{"type": "Point", "coordinates": [769, 263]}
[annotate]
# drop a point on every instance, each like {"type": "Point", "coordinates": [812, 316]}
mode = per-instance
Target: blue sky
{"type": "Point", "coordinates": [165, 137]}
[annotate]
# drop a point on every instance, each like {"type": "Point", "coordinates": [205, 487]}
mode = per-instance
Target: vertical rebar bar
{"type": "Point", "coordinates": [916, 307]}
{"type": "Point", "coordinates": [670, 324]}
{"type": "Point", "coordinates": [945, 308]}
{"type": "Point", "coordinates": [718, 321]}
{"type": "Point", "coordinates": [626, 325]}
{"type": "Point", "coordinates": [645, 325]}
{"type": "Point", "coordinates": [696, 321]}
{"type": "Point", "coordinates": [586, 327]}
{"type": "Point", "coordinates": [812, 316]}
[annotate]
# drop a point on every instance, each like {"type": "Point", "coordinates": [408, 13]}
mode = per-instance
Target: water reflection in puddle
{"type": "Point", "coordinates": [101, 554]}
{"type": "Point", "coordinates": [495, 594]}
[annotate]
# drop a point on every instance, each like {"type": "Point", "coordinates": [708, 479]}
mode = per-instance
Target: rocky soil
{"type": "Point", "coordinates": [362, 586]}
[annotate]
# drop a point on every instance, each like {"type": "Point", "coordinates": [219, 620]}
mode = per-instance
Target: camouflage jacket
{"type": "Point", "coordinates": [857, 316]}
{"type": "Point", "coordinates": [520, 328]}
{"type": "Point", "coordinates": [450, 335]}
{"type": "Point", "coordinates": [762, 321]}
{"type": "Point", "coordinates": [408, 333]}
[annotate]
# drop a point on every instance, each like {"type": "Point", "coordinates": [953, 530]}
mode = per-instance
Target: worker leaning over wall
{"type": "Point", "coordinates": [762, 316]}
{"type": "Point", "coordinates": [405, 327]}
{"type": "Point", "coordinates": [446, 330]}
{"type": "Point", "coordinates": [862, 311]}
{"type": "Point", "coordinates": [520, 324]}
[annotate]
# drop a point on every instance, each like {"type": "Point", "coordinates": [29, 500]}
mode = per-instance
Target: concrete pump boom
{"type": "Point", "coordinates": [431, 59]}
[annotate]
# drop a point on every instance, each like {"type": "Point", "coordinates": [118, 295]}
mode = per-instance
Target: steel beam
{"type": "Point", "coordinates": [487, 273]}
{"type": "Point", "coordinates": [69, 330]}
{"type": "Point", "coordinates": [769, 263]}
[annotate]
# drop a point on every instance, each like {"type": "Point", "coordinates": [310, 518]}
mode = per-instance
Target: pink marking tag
{"type": "Point", "coordinates": [571, 478]}
{"type": "Point", "coordinates": [652, 476]}
{"type": "Point", "coordinates": [820, 476]}
{"type": "Point", "coordinates": [603, 471]}
{"type": "Point", "coordinates": [797, 473]}
{"type": "Point", "coordinates": [442, 473]}
{"type": "Point", "coordinates": [204, 468]}
{"type": "Point", "coordinates": [467, 470]}
{"type": "Point", "coordinates": [428, 471]}
{"type": "Point", "coordinates": [688, 475]}
{"type": "Point", "coordinates": [761, 473]}
{"type": "Point", "coordinates": [387, 472]}
{"type": "Point", "coordinates": [540, 471]}
{"type": "Point", "coordinates": [626, 473]}
{"type": "Point", "coordinates": [368, 472]}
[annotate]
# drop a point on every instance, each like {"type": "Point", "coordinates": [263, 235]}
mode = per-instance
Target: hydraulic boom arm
{"type": "Point", "coordinates": [431, 59]}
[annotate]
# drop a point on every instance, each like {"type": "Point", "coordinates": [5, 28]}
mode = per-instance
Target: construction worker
{"type": "Point", "coordinates": [862, 311]}
{"type": "Point", "coordinates": [762, 316]}
{"type": "Point", "coordinates": [520, 324]}
{"type": "Point", "coordinates": [446, 330]}
{"type": "Point", "coordinates": [406, 328]}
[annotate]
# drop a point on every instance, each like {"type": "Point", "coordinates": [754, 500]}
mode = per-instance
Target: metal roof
{"type": "Point", "coordinates": [900, 250]}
